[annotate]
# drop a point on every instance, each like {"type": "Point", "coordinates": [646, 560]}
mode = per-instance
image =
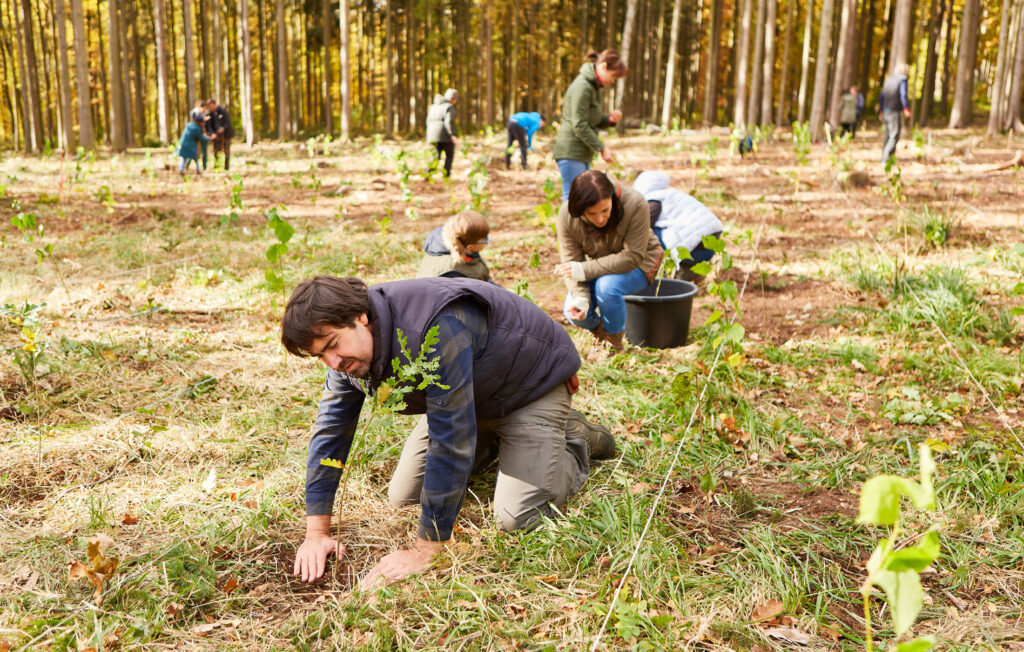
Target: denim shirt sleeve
{"type": "Point", "coordinates": [451, 422]}
{"type": "Point", "coordinates": [903, 94]}
{"type": "Point", "coordinates": [335, 425]}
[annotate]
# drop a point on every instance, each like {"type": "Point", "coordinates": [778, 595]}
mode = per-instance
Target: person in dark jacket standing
{"type": "Point", "coordinates": [506, 376]}
{"type": "Point", "coordinates": [192, 139]}
{"type": "Point", "coordinates": [219, 123]}
{"type": "Point", "coordinates": [521, 127]}
{"type": "Point", "coordinates": [850, 104]}
{"type": "Point", "coordinates": [441, 127]}
{"type": "Point", "coordinates": [893, 106]}
{"type": "Point", "coordinates": [577, 141]}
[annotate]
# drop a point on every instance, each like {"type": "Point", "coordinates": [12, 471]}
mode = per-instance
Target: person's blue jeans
{"type": "Point", "coordinates": [608, 306]}
{"type": "Point", "coordinates": [570, 169]}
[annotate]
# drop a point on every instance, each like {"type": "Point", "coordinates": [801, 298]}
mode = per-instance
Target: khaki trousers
{"type": "Point", "coordinates": [537, 465]}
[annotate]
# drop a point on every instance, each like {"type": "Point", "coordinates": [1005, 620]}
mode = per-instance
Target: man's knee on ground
{"type": "Point", "coordinates": [510, 520]}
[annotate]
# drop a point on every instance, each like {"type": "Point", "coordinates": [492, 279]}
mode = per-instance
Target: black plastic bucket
{"type": "Point", "coordinates": [661, 321]}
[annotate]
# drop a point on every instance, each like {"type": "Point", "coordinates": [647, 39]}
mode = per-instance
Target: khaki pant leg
{"type": "Point", "coordinates": [407, 480]}
{"type": "Point", "coordinates": [537, 466]}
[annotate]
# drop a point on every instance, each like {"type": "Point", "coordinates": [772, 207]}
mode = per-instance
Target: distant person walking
{"type": "Point", "coordinates": [893, 106]}
{"type": "Point", "coordinates": [441, 127]}
{"type": "Point", "coordinates": [851, 103]}
{"type": "Point", "coordinates": [577, 141]}
{"type": "Point", "coordinates": [199, 111]}
{"type": "Point", "coordinates": [188, 147]}
{"type": "Point", "coordinates": [521, 127]}
{"type": "Point", "coordinates": [219, 124]}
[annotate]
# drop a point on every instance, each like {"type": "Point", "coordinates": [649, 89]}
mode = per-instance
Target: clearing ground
{"type": "Point", "coordinates": [162, 412]}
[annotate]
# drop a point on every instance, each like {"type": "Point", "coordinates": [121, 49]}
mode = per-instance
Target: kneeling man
{"type": "Point", "coordinates": [507, 374]}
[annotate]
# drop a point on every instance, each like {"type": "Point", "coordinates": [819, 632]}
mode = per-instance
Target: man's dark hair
{"type": "Point", "coordinates": [319, 302]}
{"type": "Point", "coordinates": [589, 188]}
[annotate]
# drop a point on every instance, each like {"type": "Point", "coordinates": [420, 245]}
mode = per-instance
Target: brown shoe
{"type": "Point", "coordinates": [613, 339]}
{"type": "Point", "coordinates": [600, 442]}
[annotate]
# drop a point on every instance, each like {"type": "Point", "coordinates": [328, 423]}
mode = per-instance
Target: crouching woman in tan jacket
{"type": "Point", "coordinates": [608, 250]}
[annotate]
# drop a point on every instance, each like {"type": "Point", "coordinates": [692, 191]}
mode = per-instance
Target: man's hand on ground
{"type": "Point", "coordinates": [312, 554]}
{"type": "Point", "coordinates": [401, 564]}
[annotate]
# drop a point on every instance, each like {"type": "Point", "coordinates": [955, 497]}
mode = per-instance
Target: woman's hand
{"type": "Point", "coordinates": [564, 270]}
{"type": "Point", "coordinates": [614, 117]}
{"type": "Point", "coordinates": [607, 155]}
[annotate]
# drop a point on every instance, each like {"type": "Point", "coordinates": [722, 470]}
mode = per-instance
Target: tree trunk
{"type": "Point", "coordinates": [821, 70]}
{"type": "Point", "coordinates": [900, 34]}
{"type": "Point", "coordinates": [947, 56]}
{"type": "Point", "coordinates": [805, 67]}
{"type": "Point", "coordinates": [117, 116]}
{"type": "Point", "coordinates": [931, 61]}
{"type": "Point", "coordinates": [867, 23]}
{"type": "Point", "coordinates": [86, 135]}
{"type": "Point", "coordinates": [190, 57]}
{"type": "Point", "coordinates": [45, 102]}
{"type": "Point", "coordinates": [31, 80]}
{"type": "Point", "coordinates": [844, 58]}
{"type": "Point", "coordinates": [489, 63]}
{"type": "Point", "coordinates": [214, 16]}
{"type": "Point", "coordinates": [739, 115]}
{"type": "Point", "coordinates": [995, 115]}
{"type": "Point", "coordinates": [326, 64]}
{"type": "Point", "coordinates": [963, 95]}
{"type": "Point", "coordinates": [66, 121]}
{"type": "Point", "coordinates": [389, 87]}
{"type": "Point", "coordinates": [627, 38]}
{"type": "Point", "coordinates": [9, 76]}
{"type": "Point", "coordinates": [245, 65]}
{"type": "Point", "coordinates": [1013, 120]}
{"type": "Point", "coordinates": [757, 67]}
{"type": "Point", "coordinates": [670, 69]}
{"type": "Point", "coordinates": [163, 130]}
{"type": "Point", "coordinates": [710, 112]}
{"type": "Point", "coordinates": [26, 113]}
{"type": "Point", "coordinates": [138, 92]}
{"type": "Point", "coordinates": [264, 69]}
{"type": "Point", "coordinates": [281, 68]}
{"type": "Point", "coordinates": [783, 106]}
{"type": "Point", "coordinates": [204, 48]}
{"type": "Point", "coordinates": [343, 61]}
{"type": "Point", "coordinates": [768, 93]}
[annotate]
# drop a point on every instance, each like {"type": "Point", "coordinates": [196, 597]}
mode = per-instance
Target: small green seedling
{"type": "Point", "coordinates": [896, 569]}
{"type": "Point", "coordinates": [802, 141]}
{"type": "Point", "coordinates": [31, 347]}
{"type": "Point", "coordinates": [283, 232]}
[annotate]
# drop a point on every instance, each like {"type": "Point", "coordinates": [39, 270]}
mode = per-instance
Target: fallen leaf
{"type": "Point", "coordinates": [767, 610]}
{"type": "Point", "coordinates": [5, 645]}
{"type": "Point", "coordinates": [789, 634]}
{"type": "Point", "coordinates": [230, 585]}
{"type": "Point", "coordinates": [858, 365]}
{"type": "Point", "coordinates": [99, 565]}
{"type": "Point", "coordinates": [546, 578]}
{"type": "Point", "coordinates": [639, 488]}
{"type": "Point", "coordinates": [108, 355]}
{"type": "Point", "coordinates": [174, 610]}
{"type": "Point", "coordinates": [210, 483]}
{"type": "Point", "coordinates": [129, 520]}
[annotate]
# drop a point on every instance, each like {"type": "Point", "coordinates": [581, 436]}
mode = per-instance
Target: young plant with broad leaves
{"type": "Point", "coordinates": [31, 346]}
{"type": "Point", "coordinates": [417, 373]}
{"type": "Point", "coordinates": [897, 562]}
{"type": "Point", "coordinates": [283, 232]}
{"type": "Point", "coordinates": [30, 229]}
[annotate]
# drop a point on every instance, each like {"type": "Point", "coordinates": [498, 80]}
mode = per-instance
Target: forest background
{"type": "Point", "coordinates": [126, 72]}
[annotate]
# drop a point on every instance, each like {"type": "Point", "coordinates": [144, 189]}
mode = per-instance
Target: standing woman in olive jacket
{"type": "Point", "coordinates": [608, 250]}
{"type": "Point", "coordinates": [577, 140]}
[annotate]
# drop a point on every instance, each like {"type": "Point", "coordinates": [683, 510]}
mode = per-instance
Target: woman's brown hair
{"type": "Point", "coordinates": [611, 59]}
{"type": "Point", "coordinates": [589, 188]}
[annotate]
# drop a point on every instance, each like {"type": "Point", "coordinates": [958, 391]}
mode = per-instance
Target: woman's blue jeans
{"type": "Point", "coordinates": [608, 306]}
{"type": "Point", "coordinates": [570, 169]}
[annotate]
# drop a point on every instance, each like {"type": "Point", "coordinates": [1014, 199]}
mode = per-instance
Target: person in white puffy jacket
{"type": "Point", "coordinates": [678, 219]}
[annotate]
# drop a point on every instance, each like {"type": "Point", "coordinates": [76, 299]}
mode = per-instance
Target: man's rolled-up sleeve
{"type": "Point", "coordinates": [335, 425]}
